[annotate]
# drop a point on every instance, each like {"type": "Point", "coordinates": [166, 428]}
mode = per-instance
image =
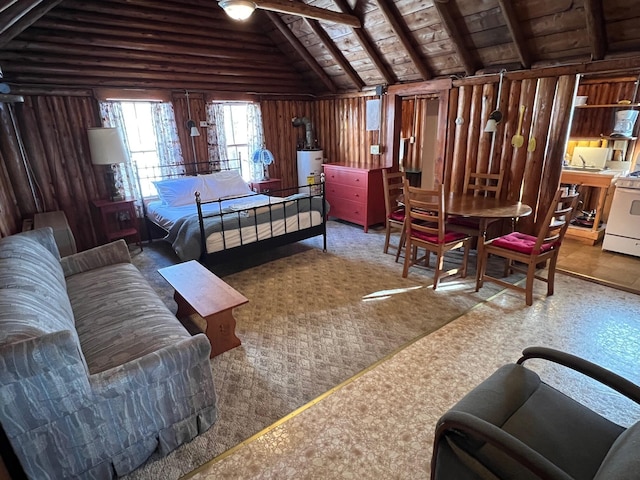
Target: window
{"type": "Point", "coordinates": [235, 130]}
{"type": "Point", "coordinates": [143, 145]}
{"type": "Point", "coordinates": [239, 133]}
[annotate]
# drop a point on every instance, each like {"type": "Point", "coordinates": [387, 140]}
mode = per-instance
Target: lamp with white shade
{"type": "Point", "coordinates": [107, 148]}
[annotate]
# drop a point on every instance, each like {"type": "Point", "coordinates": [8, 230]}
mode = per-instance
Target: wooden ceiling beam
{"type": "Point", "coordinates": [51, 71]}
{"type": "Point", "coordinates": [13, 23]}
{"type": "Point", "coordinates": [308, 11]}
{"type": "Point", "coordinates": [449, 24]}
{"type": "Point", "coordinates": [302, 51]}
{"type": "Point", "coordinates": [596, 29]}
{"type": "Point", "coordinates": [367, 44]}
{"type": "Point", "coordinates": [392, 15]}
{"type": "Point", "coordinates": [54, 52]}
{"type": "Point", "coordinates": [33, 61]}
{"type": "Point", "coordinates": [335, 53]}
{"type": "Point", "coordinates": [259, 87]}
{"type": "Point", "coordinates": [510, 17]}
{"type": "Point", "coordinates": [30, 41]}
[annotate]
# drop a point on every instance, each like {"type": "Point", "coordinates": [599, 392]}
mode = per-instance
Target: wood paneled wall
{"type": "Point", "coordinates": [530, 176]}
{"type": "Point", "coordinates": [54, 133]}
{"type": "Point", "coordinates": [339, 125]}
{"type": "Point", "coordinates": [58, 174]}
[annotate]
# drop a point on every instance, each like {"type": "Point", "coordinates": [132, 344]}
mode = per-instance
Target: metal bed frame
{"type": "Point", "coordinates": [314, 190]}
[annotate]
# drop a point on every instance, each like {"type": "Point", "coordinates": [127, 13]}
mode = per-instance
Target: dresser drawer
{"type": "Point", "coordinates": [349, 178]}
{"type": "Point", "coordinates": [355, 212]}
{"type": "Point", "coordinates": [343, 192]}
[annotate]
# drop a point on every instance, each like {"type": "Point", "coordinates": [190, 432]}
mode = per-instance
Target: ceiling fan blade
{"type": "Point", "coordinates": [309, 11]}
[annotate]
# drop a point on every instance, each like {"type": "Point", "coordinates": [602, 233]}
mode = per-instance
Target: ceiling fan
{"type": "Point", "coordinates": [242, 9]}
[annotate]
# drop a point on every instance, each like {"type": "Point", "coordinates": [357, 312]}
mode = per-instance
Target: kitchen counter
{"type": "Point", "coordinates": [603, 181]}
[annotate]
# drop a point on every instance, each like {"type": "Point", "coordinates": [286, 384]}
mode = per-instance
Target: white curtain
{"type": "Point", "coordinates": [217, 142]}
{"type": "Point", "coordinates": [111, 113]}
{"type": "Point", "coordinates": [167, 144]}
{"type": "Point", "coordinates": [167, 140]}
{"type": "Point", "coordinates": [216, 138]}
{"type": "Point", "coordinates": [255, 138]}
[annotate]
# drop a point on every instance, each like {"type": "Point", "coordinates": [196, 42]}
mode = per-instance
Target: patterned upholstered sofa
{"type": "Point", "coordinates": [96, 374]}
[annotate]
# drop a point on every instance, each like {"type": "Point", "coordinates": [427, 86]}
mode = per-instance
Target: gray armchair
{"type": "Point", "coordinates": [514, 426]}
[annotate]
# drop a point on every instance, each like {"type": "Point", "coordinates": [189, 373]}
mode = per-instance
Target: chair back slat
{"type": "Point", "coordinates": [484, 184]}
{"type": "Point", "coordinates": [425, 210]}
{"type": "Point", "coordinates": [557, 220]}
{"type": "Point", "coordinates": [393, 184]}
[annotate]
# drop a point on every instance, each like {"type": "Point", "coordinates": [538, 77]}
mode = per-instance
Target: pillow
{"type": "Point", "coordinates": [175, 192]}
{"type": "Point", "coordinates": [225, 184]}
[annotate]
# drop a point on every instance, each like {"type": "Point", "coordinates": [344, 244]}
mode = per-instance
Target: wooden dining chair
{"type": "Point", "coordinates": [532, 250]}
{"type": "Point", "coordinates": [425, 228]}
{"type": "Point", "coordinates": [393, 184]}
{"type": "Point", "coordinates": [483, 184]}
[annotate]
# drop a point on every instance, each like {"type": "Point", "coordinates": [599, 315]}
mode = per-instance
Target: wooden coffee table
{"type": "Point", "coordinates": [198, 292]}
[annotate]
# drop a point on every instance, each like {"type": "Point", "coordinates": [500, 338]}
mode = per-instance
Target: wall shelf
{"type": "Point", "coordinates": [610, 105]}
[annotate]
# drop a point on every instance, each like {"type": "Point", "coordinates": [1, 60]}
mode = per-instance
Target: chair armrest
{"type": "Point", "coordinates": [598, 373]}
{"type": "Point", "coordinates": [109, 254]}
{"type": "Point", "coordinates": [465, 423]}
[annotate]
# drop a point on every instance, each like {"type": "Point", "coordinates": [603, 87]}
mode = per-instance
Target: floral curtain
{"type": "Point", "coordinates": [168, 142]}
{"type": "Point", "coordinates": [167, 145]}
{"type": "Point", "coordinates": [125, 179]}
{"type": "Point", "coordinates": [255, 138]}
{"type": "Point", "coordinates": [216, 138]}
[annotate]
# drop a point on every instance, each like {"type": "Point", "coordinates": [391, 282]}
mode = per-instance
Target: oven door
{"type": "Point", "coordinates": [624, 216]}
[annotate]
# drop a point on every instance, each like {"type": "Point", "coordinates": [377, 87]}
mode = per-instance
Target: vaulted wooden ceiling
{"type": "Point", "coordinates": [192, 44]}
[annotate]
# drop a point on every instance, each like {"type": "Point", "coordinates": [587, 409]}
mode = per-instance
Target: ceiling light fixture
{"type": "Point", "coordinates": [238, 9]}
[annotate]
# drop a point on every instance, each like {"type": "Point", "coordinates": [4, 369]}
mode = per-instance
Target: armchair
{"type": "Point", "coordinates": [515, 426]}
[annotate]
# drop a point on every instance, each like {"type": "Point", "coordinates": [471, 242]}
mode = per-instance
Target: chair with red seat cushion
{"type": "Point", "coordinates": [393, 184]}
{"type": "Point", "coordinates": [425, 228]}
{"type": "Point", "coordinates": [532, 250]}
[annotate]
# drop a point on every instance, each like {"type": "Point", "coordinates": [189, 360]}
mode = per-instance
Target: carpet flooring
{"type": "Point", "coordinates": [314, 319]}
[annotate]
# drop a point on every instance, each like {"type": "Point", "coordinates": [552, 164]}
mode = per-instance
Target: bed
{"type": "Point", "coordinates": [215, 217]}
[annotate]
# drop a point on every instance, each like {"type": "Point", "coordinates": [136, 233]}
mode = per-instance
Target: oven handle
{"type": "Point", "coordinates": [628, 189]}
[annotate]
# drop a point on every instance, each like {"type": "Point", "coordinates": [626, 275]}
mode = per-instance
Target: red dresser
{"type": "Point", "coordinates": [355, 194]}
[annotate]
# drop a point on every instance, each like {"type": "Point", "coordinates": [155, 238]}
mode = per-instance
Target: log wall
{"type": "Point", "coordinates": [53, 129]}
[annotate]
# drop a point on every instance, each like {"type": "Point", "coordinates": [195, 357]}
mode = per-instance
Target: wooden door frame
{"type": "Point", "coordinates": [393, 113]}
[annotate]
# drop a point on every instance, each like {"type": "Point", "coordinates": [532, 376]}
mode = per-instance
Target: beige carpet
{"type": "Point", "coordinates": [314, 319]}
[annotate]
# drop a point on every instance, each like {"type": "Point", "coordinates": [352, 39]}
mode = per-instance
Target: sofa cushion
{"type": "Point", "coordinates": [33, 295]}
{"type": "Point", "coordinates": [119, 317]}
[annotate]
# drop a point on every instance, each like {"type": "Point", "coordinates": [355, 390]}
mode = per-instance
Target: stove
{"type": "Point", "coordinates": [622, 233]}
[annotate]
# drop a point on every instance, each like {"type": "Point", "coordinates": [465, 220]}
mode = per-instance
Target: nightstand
{"type": "Point", "coordinates": [266, 186]}
{"type": "Point", "coordinates": [116, 220]}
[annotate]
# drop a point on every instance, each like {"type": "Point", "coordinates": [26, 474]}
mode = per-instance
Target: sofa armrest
{"type": "Point", "coordinates": [109, 254]}
{"type": "Point", "coordinates": [154, 367]}
{"type": "Point", "coordinates": [42, 379]}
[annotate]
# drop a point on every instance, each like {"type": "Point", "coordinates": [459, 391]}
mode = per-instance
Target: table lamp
{"type": "Point", "coordinates": [107, 148]}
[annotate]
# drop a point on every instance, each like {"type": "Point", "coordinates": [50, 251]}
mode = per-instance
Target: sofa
{"type": "Point", "coordinates": [96, 373]}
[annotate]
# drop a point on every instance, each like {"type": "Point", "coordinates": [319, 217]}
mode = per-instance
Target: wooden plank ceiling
{"type": "Point", "coordinates": [192, 44]}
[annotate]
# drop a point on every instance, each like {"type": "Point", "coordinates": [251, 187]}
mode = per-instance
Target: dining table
{"type": "Point", "coordinates": [485, 209]}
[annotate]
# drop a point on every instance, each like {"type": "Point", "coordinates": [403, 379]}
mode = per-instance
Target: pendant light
{"type": "Point", "coordinates": [238, 9]}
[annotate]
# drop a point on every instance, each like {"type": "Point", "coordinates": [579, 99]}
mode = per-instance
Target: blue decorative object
{"type": "Point", "coordinates": [265, 157]}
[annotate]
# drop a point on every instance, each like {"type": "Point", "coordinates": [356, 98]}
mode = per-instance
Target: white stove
{"type": "Point", "coordinates": [622, 233]}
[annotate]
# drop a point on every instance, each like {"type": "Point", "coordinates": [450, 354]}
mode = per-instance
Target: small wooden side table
{"type": "Point", "coordinates": [116, 220]}
{"type": "Point", "coordinates": [200, 293]}
{"type": "Point", "coordinates": [266, 186]}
